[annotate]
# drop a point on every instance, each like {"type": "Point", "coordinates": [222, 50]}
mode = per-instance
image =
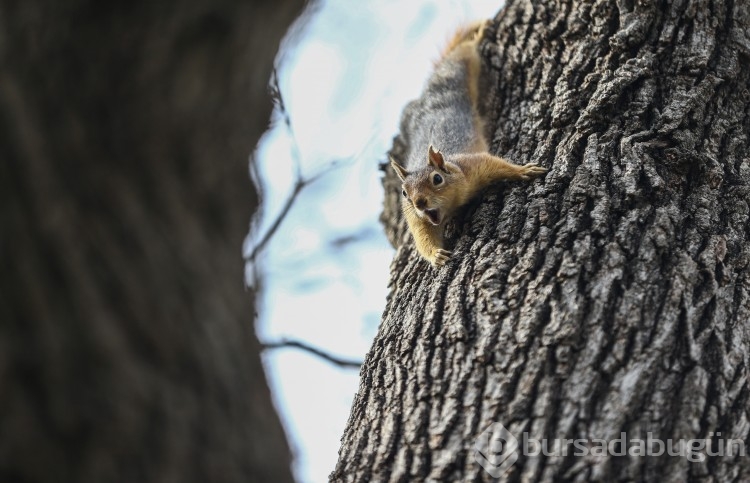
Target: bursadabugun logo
{"type": "Point", "coordinates": [496, 450]}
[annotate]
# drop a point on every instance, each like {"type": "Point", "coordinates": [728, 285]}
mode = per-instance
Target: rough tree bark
{"type": "Point", "coordinates": [127, 347]}
{"type": "Point", "coordinates": [612, 296]}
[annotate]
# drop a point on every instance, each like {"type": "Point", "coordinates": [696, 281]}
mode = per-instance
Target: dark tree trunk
{"type": "Point", "coordinates": [612, 296]}
{"type": "Point", "coordinates": [127, 346]}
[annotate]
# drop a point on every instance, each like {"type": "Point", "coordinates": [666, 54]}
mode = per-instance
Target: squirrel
{"type": "Point", "coordinates": [436, 182]}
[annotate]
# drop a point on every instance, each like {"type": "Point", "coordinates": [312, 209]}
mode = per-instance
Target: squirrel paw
{"type": "Point", "coordinates": [441, 256]}
{"type": "Point", "coordinates": [531, 171]}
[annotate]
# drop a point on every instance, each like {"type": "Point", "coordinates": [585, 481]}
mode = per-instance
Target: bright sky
{"type": "Point", "coordinates": [349, 72]}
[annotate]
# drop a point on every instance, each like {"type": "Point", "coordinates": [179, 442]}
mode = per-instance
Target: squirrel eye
{"type": "Point", "coordinates": [403, 192]}
{"type": "Point", "coordinates": [437, 179]}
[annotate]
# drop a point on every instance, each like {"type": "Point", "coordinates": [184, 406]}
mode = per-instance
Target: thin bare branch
{"type": "Point", "coordinates": [299, 185]}
{"type": "Point", "coordinates": [300, 182]}
{"type": "Point", "coordinates": [284, 343]}
{"type": "Point", "coordinates": [277, 222]}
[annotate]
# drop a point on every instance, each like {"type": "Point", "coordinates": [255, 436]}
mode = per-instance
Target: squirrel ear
{"type": "Point", "coordinates": [435, 158]}
{"type": "Point", "coordinates": [400, 170]}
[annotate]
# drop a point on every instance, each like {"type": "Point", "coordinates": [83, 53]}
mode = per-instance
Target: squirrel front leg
{"type": "Point", "coordinates": [487, 169]}
{"type": "Point", "coordinates": [428, 238]}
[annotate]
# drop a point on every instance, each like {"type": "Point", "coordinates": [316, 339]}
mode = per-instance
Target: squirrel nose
{"type": "Point", "coordinates": [421, 203]}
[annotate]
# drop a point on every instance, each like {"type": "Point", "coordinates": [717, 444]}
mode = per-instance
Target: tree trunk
{"type": "Point", "coordinates": [127, 346]}
{"type": "Point", "coordinates": [613, 295]}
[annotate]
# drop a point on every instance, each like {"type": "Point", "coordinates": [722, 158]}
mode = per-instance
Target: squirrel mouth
{"type": "Point", "coordinates": [433, 215]}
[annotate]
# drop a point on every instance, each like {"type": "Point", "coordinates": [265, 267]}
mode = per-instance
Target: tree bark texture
{"type": "Point", "coordinates": [611, 296]}
{"type": "Point", "coordinates": [127, 346]}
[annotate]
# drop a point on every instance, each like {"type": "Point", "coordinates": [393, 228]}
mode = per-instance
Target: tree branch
{"type": "Point", "coordinates": [300, 182]}
{"type": "Point", "coordinates": [283, 343]}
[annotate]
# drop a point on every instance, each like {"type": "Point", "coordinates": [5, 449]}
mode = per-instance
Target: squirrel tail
{"type": "Point", "coordinates": [463, 46]}
{"type": "Point", "coordinates": [466, 33]}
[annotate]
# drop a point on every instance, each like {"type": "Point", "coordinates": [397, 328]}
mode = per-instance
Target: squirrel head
{"type": "Point", "coordinates": [433, 191]}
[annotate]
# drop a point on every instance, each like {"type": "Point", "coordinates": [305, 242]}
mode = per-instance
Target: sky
{"type": "Point", "coordinates": [344, 74]}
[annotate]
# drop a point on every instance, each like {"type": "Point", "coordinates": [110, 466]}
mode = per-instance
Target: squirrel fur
{"type": "Point", "coordinates": [448, 162]}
